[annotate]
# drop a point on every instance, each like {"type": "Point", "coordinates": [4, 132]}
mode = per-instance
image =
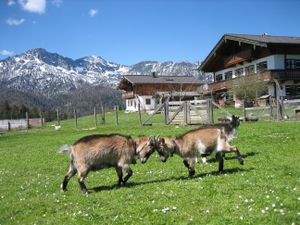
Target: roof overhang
{"type": "Point", "coordinates": [223, 40]}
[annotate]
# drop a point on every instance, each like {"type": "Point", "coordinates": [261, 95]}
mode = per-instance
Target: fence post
{"type": "Point", "coordinates": [244, 110]}
{"type": "Point", "coordinates": [271, 106]}
{"type": "Point", "coordinates": [117, 114]}
{"type": "Point", "coordinates": [8, 126]}
{"type": "Point", "coordinates": [210, 111]}
{"type": "Point", "coordinates": [57, 116]}
{"type": "Point", "coordinates": [140, 114]}
{"type": "Point", "coordinates": [27, 121]}
{"type": "Point", "coordinates": [185, 112]}
{"type": "Point", "coordinates": [166, 111]}
{"type": "Point", "coordinates": [103, 114]}
{"type": "Point", "coordinates": [42, 121]}
{"type": "Point", "coordinates": [75, 118]}
{"type": "Point", "coordinates": [95, 117]}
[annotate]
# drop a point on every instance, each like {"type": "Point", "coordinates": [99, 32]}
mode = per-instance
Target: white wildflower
{"type": "Point", "coordinates": [241, 217]}
{"type": "Point", "coordinates": [263, 211]}
{"type": "Point", "coordinates": [273, 205]}
{"type": "Point", "coordinates": [165, 210]}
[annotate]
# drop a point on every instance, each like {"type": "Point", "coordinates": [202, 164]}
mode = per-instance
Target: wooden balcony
{"type": "Point", "coordinates": [286, 75]}
{"type": "Point", "coordinates": [128, 95]}
{"type": "Point", "coordinates": [266, 76]}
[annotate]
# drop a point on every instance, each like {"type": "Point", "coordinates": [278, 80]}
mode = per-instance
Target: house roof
{"type": "Point", "coordinates": [144, 79]}
{"type": "Point", "coordinates": [264, 41]}
{"type": "Point", "coordinates": [265, 38]}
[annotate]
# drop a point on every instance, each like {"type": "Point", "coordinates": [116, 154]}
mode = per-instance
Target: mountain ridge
{"type": "Point", "coordinates": [46, 73]}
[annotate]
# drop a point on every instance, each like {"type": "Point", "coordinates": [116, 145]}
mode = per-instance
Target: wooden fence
{"type": "Point", "coordinates": [185, 112]}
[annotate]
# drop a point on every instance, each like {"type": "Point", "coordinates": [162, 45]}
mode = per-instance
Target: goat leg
{"type": "Point", "coordinates": [120, 176]}
{"type": "Point", "coordinates": [129, 174]}
{"type": "Point", "coordinates": [239, 156]}
{"type": "Point", "coordinates": [72, 171]}
{"type": "Point", "coordinates": [219, 157]}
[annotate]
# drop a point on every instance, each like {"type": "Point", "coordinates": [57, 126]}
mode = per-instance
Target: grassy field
{"type": "Point", "coordinates": [266, 190]}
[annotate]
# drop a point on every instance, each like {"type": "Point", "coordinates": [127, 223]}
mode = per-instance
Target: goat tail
{"type": "Point", "coordinates": [65, 148]}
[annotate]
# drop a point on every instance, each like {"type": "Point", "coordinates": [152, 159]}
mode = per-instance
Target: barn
{"type": "Point", "coordinates": [148, 91]}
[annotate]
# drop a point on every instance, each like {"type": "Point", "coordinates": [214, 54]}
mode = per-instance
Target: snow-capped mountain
{"type": "Point", "coordinates": [41, 72]}
{"type": "Point", "coordinates": [49, 73]}
{"type": "Point", "coordinates": [165, 68]}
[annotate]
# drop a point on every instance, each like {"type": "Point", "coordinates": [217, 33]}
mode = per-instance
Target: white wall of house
{"type": "Point", "coordinates": [274, 62]}
{"type": "Point", "coordinates": [147, 103]}
{"type": "Point", "coordinates": [131, 105]}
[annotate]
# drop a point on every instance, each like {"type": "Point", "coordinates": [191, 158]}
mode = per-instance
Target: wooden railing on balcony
{"type": "Point", "coordinates": [127, 95]}
{"type": "Point", "coordinates": [286, 74]}
{"type": "Point", "coordinates": [265, 76]}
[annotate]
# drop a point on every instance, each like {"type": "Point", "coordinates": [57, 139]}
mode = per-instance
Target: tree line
{"type": "Point", "coordinates": [11, 111]}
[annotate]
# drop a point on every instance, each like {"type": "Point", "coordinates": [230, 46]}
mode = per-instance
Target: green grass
{"type": "Point", "coordinates": [265, 190]}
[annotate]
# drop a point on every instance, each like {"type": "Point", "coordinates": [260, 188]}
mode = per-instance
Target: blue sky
{"type": "Point", "coordinates": [130, 31]}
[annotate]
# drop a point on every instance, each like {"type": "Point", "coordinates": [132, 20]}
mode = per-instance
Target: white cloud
{"type": "Point", "coordinates": [6, 53]}
{"type": "Point", "coordinates": [35, 6]}
{"type": "Point", "coordinates": [93, 12]}
{"type": "Point", "coordinates": [14, 22]}
{"type": "Point", "coordinates": [11, 2]}
{"type": "Point", "coordinates": [57, 3]}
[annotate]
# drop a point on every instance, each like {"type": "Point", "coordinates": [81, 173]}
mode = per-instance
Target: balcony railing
{"type": "Point", "coordinates": [266, 76]}
{"type": "Point", "coordinates": [286, 74]}
{"type": "Point", "coordinates": [128, 95]}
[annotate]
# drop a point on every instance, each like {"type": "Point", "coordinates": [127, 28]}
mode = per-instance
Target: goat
{"type": "Point", "coordinates": [230, 130]}
{"type": "Point", "coordinates": [203, 141]}
{"type": "Point", "coordinates": [95, 152]}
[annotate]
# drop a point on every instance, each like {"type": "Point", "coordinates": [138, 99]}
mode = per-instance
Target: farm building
{"type": "Point", "coordinates": [266, 58]}
{"type": "Point", "coordinates": [150, 90]}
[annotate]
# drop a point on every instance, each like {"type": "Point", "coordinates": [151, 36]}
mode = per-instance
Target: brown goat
{"type": "Point", "coordinates": [203, 141]}
{"type": "Point", "coordinates": [100, 151]}
{"type": "Point", "coordinates": [230, 130]}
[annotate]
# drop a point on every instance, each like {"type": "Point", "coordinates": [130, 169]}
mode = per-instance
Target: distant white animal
{"type": "Point", "coordinates": [57, 127]}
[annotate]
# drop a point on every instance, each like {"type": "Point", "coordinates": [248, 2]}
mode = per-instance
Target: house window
{"type": "Point", "coordinates": [262, 66]}
{"type": "Point", "coordinates": [239, 72]}
{"type": "Point", "coordinates": [148, 101]}
{"type": "Point", "coordinates": [219, 77]}
{"type": "Point", "coordinates": [228, 75]}
{"type": "Point", "coordinates": [292, 64]}
{"type": "Point", "coordinates": [249, 70]}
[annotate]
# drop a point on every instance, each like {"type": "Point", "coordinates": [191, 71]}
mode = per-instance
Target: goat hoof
{"type": "Point", "coordinates": [85, 191]}
{"type": "Point", "coordinates": [191, 173]}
